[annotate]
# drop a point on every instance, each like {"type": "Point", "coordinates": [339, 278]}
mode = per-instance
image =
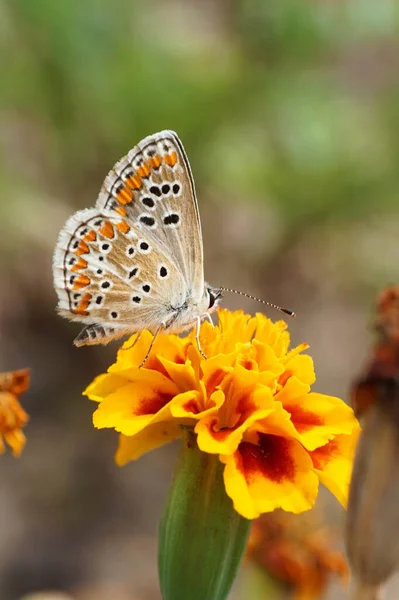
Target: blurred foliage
{"type": "Point", "coordinates": [272, 99]}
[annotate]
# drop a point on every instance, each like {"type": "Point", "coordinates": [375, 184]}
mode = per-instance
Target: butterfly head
{"type": "Point", "coordinates": [212, 297]}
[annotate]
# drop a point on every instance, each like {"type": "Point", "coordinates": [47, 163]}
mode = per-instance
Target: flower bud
{"type": "Point", "coordinates": [372, 535]}
{"type": "Point", "coordinates": [202, 538]}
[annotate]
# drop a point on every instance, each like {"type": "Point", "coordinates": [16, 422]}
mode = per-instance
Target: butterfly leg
{"type": "Point", "coordinates": [197, 334]}
{"type": "Point", "coordinates": [208, 317]}
{"type": "Point", "coordinates": [162, 325]}
{"type": "Point", "coordinates": [132, 344]}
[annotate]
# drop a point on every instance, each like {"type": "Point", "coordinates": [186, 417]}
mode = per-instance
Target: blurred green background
{"type": "Point", "coordinates": [289, 112]}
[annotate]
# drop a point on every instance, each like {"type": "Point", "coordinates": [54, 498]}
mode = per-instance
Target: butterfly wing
{"type": "Point", "coordinates": [153, 188]}
{"type": "Point", "coordinates": [111, 274]}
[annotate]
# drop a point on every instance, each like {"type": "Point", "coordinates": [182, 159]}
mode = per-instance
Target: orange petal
{"type": "Point", "coordinates": [275, 473]}
{"type": "Point", "coordinates": [16, 440]}
{"type": "Point", "coordinates": [267, 359]}
{"type": "Point", "coordinates": [137, 404]}
{"type": "Point", "coordinates": [272, 334]}
{"type": "Point", "coordinates": [183, 375]}
{"type": "Point", "coordinates": [316, 417]}
{"type": "Point", "coordinates": [215, 369]}
{"type": "Point", "coordinates": [247, 400]}
{"type": "Point", "coordinates": [301, 366]}
{"type": "Point", "coordinates": [158, 434]}
{"type": "Point", "coordinates": [134, 351]}
{"type": "Point", "coordinates": [190, 405]}
{"type": "Point", "coordinates": [333, 463]}
{"type": "Point", "coordinates": [103, 385]}
{"type": "Point", "coordinates": [215, 439]}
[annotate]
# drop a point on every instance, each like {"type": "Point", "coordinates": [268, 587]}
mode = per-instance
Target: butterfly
{"type": "Point", "coordinates": [135, 261]}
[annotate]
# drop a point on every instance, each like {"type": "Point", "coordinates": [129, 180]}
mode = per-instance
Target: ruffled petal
{"type": "Point", "coordinates": [158, 434]}
{"type": "Point", "coordinates": [333, 463]}
{"type": "Point", "coordinates": [301, 367]}
{"type": "Point", "coordinates": [274, 473]}
{"type": "Point", "coordinates": [134, 351]}
{"type": "Point", "coordinates": [316, 417]}
{"type": "Point", "coordinates": [103, 385]}
{"type": "Point", "coordinates": [190, 406]}
{"type": "Point", "coordinates": [138, 403]}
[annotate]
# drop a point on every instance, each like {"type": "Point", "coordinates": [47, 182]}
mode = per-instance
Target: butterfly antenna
{"type": "Point", "coordinates": [286, 311]}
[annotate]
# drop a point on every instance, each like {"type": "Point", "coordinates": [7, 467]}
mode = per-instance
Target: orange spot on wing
{"type": "Point", "coordinates": [134, 182]}
{"type": "Point", "coordinates": [83, 306]}
{"type": "Point", "coordinates": [80, 264]}
{"type": "Point", "coordinates": [90, 237]}
{"type": "Point", "coordinates": [125, 195]}
{"type": "Point", "coordinates": [170, 159]}
{"type": "Point", "coordinates": [121, 210]}
{"type": "Point", "coordinates": [123, 227]}
{"type": "Point", "coordinates": [81, 282]}
{"type": "Point", "coordinates": [144, 170]}
{"type": "Point", "coordinates": [155, 161]}
{"type": "Point", "coordinates": [83, 248]}
{"type": "Point", "coordinates": [107, 230]}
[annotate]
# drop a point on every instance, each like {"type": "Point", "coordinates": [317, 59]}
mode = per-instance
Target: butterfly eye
{"type": "Point", "coordinates": [212, 299]}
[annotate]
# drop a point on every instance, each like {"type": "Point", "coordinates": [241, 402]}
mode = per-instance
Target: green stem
{"type": "Point", "coordinates": [202, 538]}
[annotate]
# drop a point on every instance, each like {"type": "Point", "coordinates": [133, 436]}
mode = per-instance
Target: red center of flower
{"type": "Point", "coordinates": [150, 406]}
{"type": "Point", "coordinates": [214, 380]}
{"type": "Point", "coordinates": [322, 456]}
{"type": "Point", "coordinates": [304, 419]}
{"type": "Point", "coordinates": [271, 458]}
{"type": "Point", "coordinates": [191, 406]}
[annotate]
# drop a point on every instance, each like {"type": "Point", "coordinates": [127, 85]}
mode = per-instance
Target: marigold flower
{"type": "Point", "coordinates": [296, 551]}
{"type": "Point", "coordinates": [12, 415]}
{"type": "Point", "coordinates": [249, 402]}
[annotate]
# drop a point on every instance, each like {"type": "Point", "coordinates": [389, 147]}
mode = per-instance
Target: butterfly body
{"type": "Point", "coordinates": [135, 261]}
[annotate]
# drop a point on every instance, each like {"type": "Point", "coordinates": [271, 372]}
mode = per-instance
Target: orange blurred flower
{"type": "Point", "coordinates": [12, 415]}
{"type": "Point", "coordinates": [296, 551]}
{"type": "Point", "coordinates": [249, 402]}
